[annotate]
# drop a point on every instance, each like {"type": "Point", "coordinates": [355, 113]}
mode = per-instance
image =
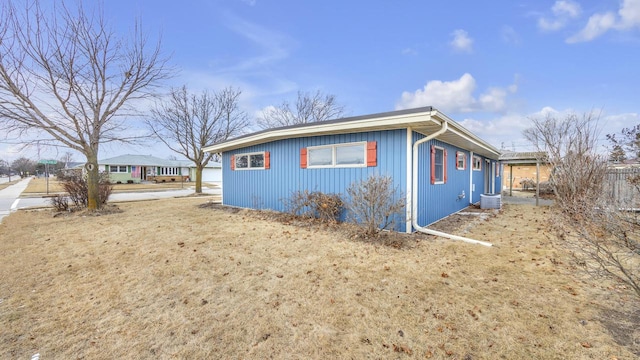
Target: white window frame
{"type": "Point", "coordinates": [169, 171]}
{"type": "Point", "coordinates": [115, 169]}
{"type": "Point", "coordinates": [248, 155]}
{"type": "Point", "coordinates": [334, 152]}
{"type": "Point", "coordinates": [477, 163]}
{"type": "Point", "coordinates": [461, 155]}
{"type": "Point", "coordinates": [442, 166]}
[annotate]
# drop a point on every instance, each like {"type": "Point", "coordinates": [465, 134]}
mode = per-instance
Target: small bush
{"type": "Point", "coordinates": [60, 203]}
{"type": "Point", "coordinates": [374, 203]}
{"type": "Point", "coordinates": [527, 184]}
{"type": "Point", "coordinates": [325, 207]}
{"type": "Point", "coordinates": [129, 181]}
{"type": "Point", "coordinates": [76, 187]}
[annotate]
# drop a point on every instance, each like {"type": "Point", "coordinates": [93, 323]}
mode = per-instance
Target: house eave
{"type": "Point", "coordinates": [423, 120]}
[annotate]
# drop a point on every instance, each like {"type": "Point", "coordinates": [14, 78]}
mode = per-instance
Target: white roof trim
{"type": "Point", "coordinates": [421, 117]}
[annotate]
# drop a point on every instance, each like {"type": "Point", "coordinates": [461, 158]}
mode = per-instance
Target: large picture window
{"type": "Point", "coordinates": [250, 161]}
{"type": "Point", "coordinates": [338, 155]}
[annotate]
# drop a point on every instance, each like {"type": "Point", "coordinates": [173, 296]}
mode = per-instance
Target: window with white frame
{"type": "Point", "coordinates": [169, 171]}
{"type": "Point", "coordinates": [477, 163]}
{"type": "Point", "coordinates": [338, 155]}
{"type": "Point", "coordinates": [438, 164]}
{"type": "Point", "coordinates": [461, 160]}
{"type": "Point", "coordinates": [249, 161]}
{"type": "Point", "coordinates": [118, 168]}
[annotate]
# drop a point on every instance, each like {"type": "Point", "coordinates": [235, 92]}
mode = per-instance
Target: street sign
{"type": "Point", "coordinates": [48, 162]}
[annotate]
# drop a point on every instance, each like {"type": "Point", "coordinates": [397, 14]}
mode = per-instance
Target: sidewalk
{"type": "Point", "coordinates": [9, 197]}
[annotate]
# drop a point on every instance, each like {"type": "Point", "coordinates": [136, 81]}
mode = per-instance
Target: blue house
{"type": "Point", "coordinates": [438, 165]}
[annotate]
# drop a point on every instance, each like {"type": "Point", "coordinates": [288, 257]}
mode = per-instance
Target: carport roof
{"type": "Point", "coordinates": [530, 157]}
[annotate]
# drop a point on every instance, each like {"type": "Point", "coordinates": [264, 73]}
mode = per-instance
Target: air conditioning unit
{"type": "Point", "coordinates": [490, 201]}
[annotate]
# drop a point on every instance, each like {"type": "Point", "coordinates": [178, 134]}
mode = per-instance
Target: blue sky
{"type": "Point", "coordinates": [490, 65]}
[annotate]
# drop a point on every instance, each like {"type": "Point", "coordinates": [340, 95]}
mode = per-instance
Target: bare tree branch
{"type": "Point", "coordinates": [308, 108]}
{"type": "Point", "coordinates": [64, 72]}
{"type": "Point", "coordinates": [603, 233]}
{"type": "Point", "coordinates": [188, 122]}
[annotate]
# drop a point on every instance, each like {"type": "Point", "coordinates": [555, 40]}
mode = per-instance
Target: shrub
{"type": "Point", "coordinates": [60, 203]}
{"type": "Point", "coordinates": [374, 203]}
{"type": "Point", "coordinates": [325, 207]}
{"type": "Point", "coordinates": [76, 186]}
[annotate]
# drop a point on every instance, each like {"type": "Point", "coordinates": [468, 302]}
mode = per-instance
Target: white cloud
{"type": "Point", "coordinates": [272, 46]}
{"type": "Point", "coordinates": [461, 41]}
{"type": "Point", "coordinates": [597, 25]}
{"type": "Point", "coordinates": [566, 8]}
{"type": "Point", "coordinates": [510, 36]}
{"type": "Point", "coordinates": [628, 17]}
{"type": "Point", "coordinates": [409, 51]}
{"type": "Point", "coordinates": [629, 14]}
{"type": "Point", "coordinates": [507, 130]}
{"type": "Point", "coordinates": [563, 11]}
{"type": "Point", "coordinates": [457, 96]}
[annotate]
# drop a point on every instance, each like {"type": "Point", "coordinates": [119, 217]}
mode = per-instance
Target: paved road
{"type": "Point", "coordinates": [10, 199]}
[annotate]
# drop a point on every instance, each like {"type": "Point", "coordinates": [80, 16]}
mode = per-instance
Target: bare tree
{"type": "Point", "coordinates": [308, 108]}
{"type": "Point", "coordinates": [188, 122]}
{"type": "Point", "coordinates": [4, 167]}
{"type": "Point", "coordinates": [604, 236]}
{"type": "Point", "coordinates": [66, 78]}
{"type": "Point", "coordinates": [24, 166]}
{"type": "Point", "coordinates": [626, 144]}
{"type": "Point", "coordinates": [66, 158]}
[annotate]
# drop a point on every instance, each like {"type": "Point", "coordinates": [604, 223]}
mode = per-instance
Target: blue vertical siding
{"type": "Point", "coordinates": [478, 180]}
{"type": "Point", "coordinates": [436, 201]}
{"type": "Point", "coordinates": [268, 189]}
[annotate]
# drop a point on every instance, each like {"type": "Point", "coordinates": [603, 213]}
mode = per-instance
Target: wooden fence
{"type": "Point", "coordinates": [621, 190]}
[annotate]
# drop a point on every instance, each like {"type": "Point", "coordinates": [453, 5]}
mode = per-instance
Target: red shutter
{"type": "Point", "coordinates": [464, 156]}
{"type": "Point", "coordinates": [303, 158]}
{"type": "Point", "coordinates": [444, 165]}
{"type": "Point", "coordinates": [267, 160]}
{"type": "Point", "coordinates": [372, 153]}
{"type": "Point", "coordinates": [233, 162]}
{"type": "Point", "coordinates": [433, 164]}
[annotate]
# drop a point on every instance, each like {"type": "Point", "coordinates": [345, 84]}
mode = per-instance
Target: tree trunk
{"type": "Point", "coordinates": [199, 179]}
{"type": "Point", "coordinates": [93, 183]}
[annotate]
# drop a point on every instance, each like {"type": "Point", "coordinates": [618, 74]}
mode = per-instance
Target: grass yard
{"type": "Point", "coordinates": [175, 279]}
{"type": "Point", "coordinates": [4, 185]}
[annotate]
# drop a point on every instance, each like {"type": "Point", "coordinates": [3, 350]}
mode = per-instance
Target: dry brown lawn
{"type": "Point", "coordinates": [14, 180]}
{"type": "Point", "coordinates": [175, 279]}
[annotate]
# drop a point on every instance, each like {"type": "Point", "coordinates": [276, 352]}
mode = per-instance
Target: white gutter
{"type": "Point", "coordinates": [414, 192]}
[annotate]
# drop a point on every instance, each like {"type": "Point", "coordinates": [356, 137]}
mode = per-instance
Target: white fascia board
{"type": "Point", "coordinates": [390, 122]}
{"type": "Point", "coordinates": [457, 129]}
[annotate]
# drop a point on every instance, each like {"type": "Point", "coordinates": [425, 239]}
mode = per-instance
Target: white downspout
{"type": "Point", "coordinates": [408, 196]}
{"type": "Point", "coordinates": [471, 187]}
{"type": "Point", "coordinates": [414, 193]}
